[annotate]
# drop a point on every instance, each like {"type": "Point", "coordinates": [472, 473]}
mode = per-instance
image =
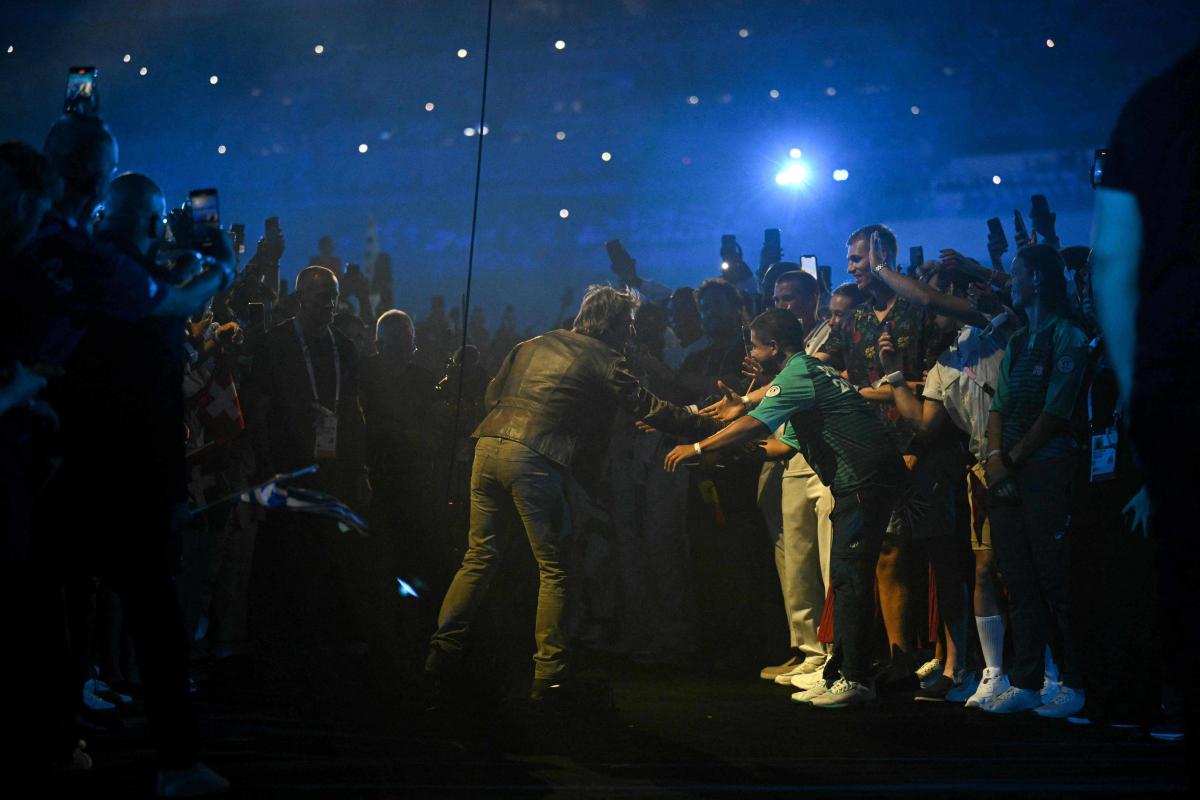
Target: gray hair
{"type": "Point", "coordinates": [604, 311]}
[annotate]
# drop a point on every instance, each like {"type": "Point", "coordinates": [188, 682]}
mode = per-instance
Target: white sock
{"type": "Point", "coordinates": [1051, 667]}
{"type": "Point", "coordinates": [991, 641]}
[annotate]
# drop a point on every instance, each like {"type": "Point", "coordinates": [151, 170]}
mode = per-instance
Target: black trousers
{"type": "Point", "coordinates": [1029, 535]}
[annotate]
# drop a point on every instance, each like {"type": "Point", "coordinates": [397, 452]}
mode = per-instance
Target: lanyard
{"type": "Point", "coordinates": [312, 377]}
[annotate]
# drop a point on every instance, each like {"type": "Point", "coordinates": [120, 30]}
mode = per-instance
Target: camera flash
{"type": "Point", "coordinates": [996, 179]}
{"type": "Point", "coordinates": [462, 53]}
{"type": "Point", "coordinates": [774, 94]}
{"type": "Point", "coordinates": [564, 213]}
{"type": "Point", "coordinates": [362, 148]}
{"type": "Point", "coordinates": [213, 79]}
{"type": "Point", "coordinates": [606, 156]}
{"type": "Point", "coordinates": [221, 149]}
{"type": "Point", "coordinates": [560, 45]}
{"type": "Point", "coordinates": [319, 49]}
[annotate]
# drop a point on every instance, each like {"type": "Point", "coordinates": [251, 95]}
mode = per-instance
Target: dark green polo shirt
{"type": "Point", "coordinates": [831, 425]}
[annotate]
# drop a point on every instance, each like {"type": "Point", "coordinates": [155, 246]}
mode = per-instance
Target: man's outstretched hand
{"type": "Point", "coordinates": [680, 454]}
{"type": "Point", "coordinates": [728, 408]}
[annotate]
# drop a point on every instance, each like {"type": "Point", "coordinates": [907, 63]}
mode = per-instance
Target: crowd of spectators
{"type": "Point", "coordinates": [935, 478]}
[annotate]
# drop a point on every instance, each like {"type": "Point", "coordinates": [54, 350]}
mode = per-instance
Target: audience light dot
{"type": "Point", "coordinates": [1049, 43]}
{"type": "Point", "coordinates": [468, 131]}
{"type": "Point", "coordinates": [606, 156]}
{"type": "Point", "coordinates": [564, 213]}
{"type": "Point", "coordinates": [429, 106]}
{"type": "Point", "coordinates": [841, 174]}
{"type": "Point", "coordinates": [143, 71]}
{"type": "Point", "coordinates": [127, 58]}
{"type": "Point", "coordinates": [362, 148]}
{"type": "Point", "coordinates": [996, 179]}
{"type": "Point", "coordinates": [693, 100]}
{"type": "Point", "coordinates": [486, 130]}
{"type": "Point", "coordinates": [10, 49]}
{"type": "Point", "coordinates": [831, 91]}
{"type": "Point", "coordinates": [744, 32]}
{"type": "Point", "coordinates": [319, 49]}
{"type": "Point", "coordinates": [213, 79]}
{"type": "Point", "coordinates": [560, 45]}
{"type": "Point", "coordinates": [724, 265]}
{"type": "Point", "coordinates": [915, 110]}
{"type": "Point", "coordinates": [794, 152]}
{"type": "Point", "coordinates": [560, 135]}
{"type": "Point", "coordinates": [774, 94]}
{"type": "Point", "coordinates": [221, 149]}
{"type": "Point", "coordinates": [462, 53]}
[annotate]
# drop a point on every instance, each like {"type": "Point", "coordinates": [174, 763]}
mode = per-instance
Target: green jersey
{"type": "Point", "coordinates": [831, 425]}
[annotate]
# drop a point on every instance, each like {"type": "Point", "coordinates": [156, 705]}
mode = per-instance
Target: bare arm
{"type": "Point", "coordinates": [745, 429]}
{"type": "Point", "coordinates": [919, 293]}
{"type": "Point", "coordinates": [1116, 249]}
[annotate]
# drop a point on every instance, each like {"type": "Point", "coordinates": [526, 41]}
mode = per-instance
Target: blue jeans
{"type": "Point", "coordinates": [507, 474]}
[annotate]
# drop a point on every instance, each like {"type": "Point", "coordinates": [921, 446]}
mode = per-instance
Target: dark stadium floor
{"type": "Point", "coordinates": [347, 730]}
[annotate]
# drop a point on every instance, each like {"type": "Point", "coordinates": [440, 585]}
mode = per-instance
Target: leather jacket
{"type": "Point", "coordinates": [561, 388]}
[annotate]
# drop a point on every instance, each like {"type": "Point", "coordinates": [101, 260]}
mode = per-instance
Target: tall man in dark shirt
{"type": "Point", "coordinates": [302, 408]}
{"type": "Point", "coordinates": [553, 394]}
{"type": "Point", "coordinates": [1146, 249]}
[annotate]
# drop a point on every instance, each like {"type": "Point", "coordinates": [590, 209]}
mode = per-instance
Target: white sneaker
{"type": "Point", "coordinates": [929, 672]}
{"type": "Point", "coordinates": [810, 694]}
{"type": "Point", "coordinates": [198, 780]}
{"type": "Point", "coordinates": [1013, 701]}
{"type": "Point", "coordinates": [1050, 689]}
{"type": "Point", "coordinates": [843, 694]}
{"type": "Point", "coordinates": [810, 665]}
{"type": "Point", "coordinates": [808, 680]}
{"type": "Point", "coordinates": [1065, 703]}
{"type": "Point", "coordinates": [963, 692]}
{"type": "Point", "coordinates": [994, 684]}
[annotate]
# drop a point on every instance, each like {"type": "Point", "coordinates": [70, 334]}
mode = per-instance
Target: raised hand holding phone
{"type": "Point", "coordinates": [1022, 235]}
{"type": "Point", "coordinates": [1043, 220]}
{"type": "Point", "coordinates": [997, 243]}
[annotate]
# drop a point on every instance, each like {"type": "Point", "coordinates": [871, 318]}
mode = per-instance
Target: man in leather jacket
{"type": "Point", "coordinates": [553, 393]}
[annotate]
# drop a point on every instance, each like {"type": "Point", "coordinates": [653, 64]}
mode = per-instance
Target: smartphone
{"type": "Point", "coordinates": [238, 232]}
{"type": "Point", "coordinates": [618, 256]}
{"type": "Point", "coordinates": [272, 227]}
{"type": "Point", "coordinates": [916, 257]}
{"type": "Point", "coordinates": [1019, 224]}
{"type": "Point", "coordinates": [809, 264]}
{"type": "Point", "coordinates": [82, 97]}
{"type": "Point", "coordinates": [997, 230]}
{"type": "Point", "coordinates": [206, 210]}
{"type": "Point", "coordinates": [746, 339]}
{"type": "Point", "coordinates": [1098, 159]}
{"type": "Point", "coordinates": [1041, 208]}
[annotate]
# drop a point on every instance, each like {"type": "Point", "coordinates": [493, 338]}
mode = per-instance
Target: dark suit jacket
{"type": "Point", "coordinates": [558, 390]}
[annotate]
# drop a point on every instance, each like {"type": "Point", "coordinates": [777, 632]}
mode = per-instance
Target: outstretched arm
{"type": "Point", "coordinates": [746, 429]}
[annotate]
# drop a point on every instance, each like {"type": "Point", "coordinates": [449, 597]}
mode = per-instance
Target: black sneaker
{"type": "Point", "coordinates": [936, 691]}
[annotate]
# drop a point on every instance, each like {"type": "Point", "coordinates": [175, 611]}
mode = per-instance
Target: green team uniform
{"type": "Point", "coordinates": [831, 425]}
{"type": "Point", "coordinates": [1042, 371]}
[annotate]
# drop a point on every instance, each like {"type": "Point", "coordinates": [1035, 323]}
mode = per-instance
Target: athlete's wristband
{"type": "Point", "coordinates": [696, 447]}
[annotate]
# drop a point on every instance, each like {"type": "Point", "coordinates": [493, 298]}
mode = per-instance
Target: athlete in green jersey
{"type": "Point", "coordinates": [850, 450]}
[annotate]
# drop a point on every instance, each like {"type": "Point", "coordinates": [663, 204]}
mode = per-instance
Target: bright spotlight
{"type": "Point", "coordinates": [794, 152]}
{"type": "Point", "coordinates": [793, 174]}
{"type": "Point", "coordinates": [564, 213]}
{"type": "Point", "coordinates": [221, 149]}
{"type": "Point", "coordinates": [996, 179]}
{"type": "Point", "coordinates": [841, 174]}
{"type": "Point", "coordinates": [214, 80]}
{"type": "Point", "coordinates": [319, 49]}
{"type": "Point", "coordinates": [462, 53]}
{"type": "Point", "coordinates": [362, 148]}
{"type": "Point", "coordinates": [724, 265]}
{"type": "Point", "coordinates": [560, 45]}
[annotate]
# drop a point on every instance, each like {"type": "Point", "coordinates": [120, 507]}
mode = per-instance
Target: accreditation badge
{"type": "Point", "coordinates": [325, 426]}
{"type": "Point", "coordinates": [1104, 455]}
